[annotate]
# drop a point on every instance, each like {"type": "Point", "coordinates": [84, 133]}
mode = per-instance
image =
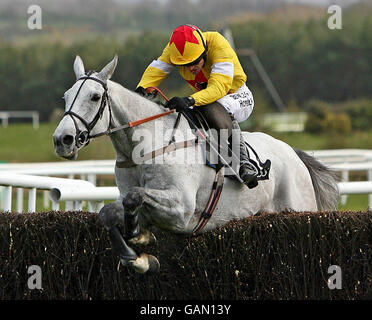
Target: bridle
{"type": "Point", "coordinates": [82, 138]}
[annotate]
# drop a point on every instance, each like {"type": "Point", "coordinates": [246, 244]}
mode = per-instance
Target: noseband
{"type": "Point", "coordinates": [82, 138]}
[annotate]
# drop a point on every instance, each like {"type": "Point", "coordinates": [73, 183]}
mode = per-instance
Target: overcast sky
{"type": "Point", "coordinates": [313, 2]}
{"type": "Point", "coordinates": [324, 2]}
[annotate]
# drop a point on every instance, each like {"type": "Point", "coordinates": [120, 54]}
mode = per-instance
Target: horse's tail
{"type": "Point", "coordinates": [324, 182]}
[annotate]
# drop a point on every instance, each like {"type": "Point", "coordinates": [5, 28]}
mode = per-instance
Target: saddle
{"type": "Point", "coordinates": [263, 168]}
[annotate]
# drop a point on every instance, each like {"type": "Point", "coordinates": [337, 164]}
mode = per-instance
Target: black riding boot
{"type": "Point", "coordinates": [247, 171]}
{"type": "Point", "coordinates": [218, 118]}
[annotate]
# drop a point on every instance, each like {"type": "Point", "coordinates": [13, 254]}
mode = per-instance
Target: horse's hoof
{"type": "Point", "coordinates": [144, 238]}
{"type": "Point", "coordinates": [126, 262]}
{"type": "Point", "coordinates": [154, 264]}
{"type": "Point", "coordinates": [144, 263]}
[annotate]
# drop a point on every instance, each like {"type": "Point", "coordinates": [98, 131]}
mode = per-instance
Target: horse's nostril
{"type": "Point", "coordinates": [67, 140]}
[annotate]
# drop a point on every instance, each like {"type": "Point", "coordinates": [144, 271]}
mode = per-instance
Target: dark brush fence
{"type": "Point", "coordinates": [272, 256]}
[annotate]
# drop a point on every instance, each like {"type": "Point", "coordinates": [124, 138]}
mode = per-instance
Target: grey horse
{"type": "Point", "coordinates": [171, 194]}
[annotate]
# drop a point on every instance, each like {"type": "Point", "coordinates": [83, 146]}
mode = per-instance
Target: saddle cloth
{"type": "Point", "coordinates": [263, 168]}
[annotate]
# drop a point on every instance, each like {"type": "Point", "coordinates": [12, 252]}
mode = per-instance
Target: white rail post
{"type": "Point", "coordinates": [78, 205]}
{"type": "Point", "coordinates": [95, 206]}
{"type": "Point", "coordinates": [46, 199]}
{"type": "Point", "coordinates": [69, 205]}
{"type": "Point", "coordinates": [370, 195]}
{"type": "Point", "coordinates": [32, 200]}
{"type": "Point", "coordinates": [35, 120]}
{"type": "Point", "coordinates": [1, 198]}
{"type": "Point", "coordinates": [8, 199]}
{"type": "Point", "coordinates": [344, 178]}
{"type": "Point", "coordinates": [100, 205]}
{"type": "Point", "coordinates": [91, 206]}
{"type": "Point", "coordinates": [5, 120]}
{"type": "Point", "coordinates": [55, 205]}
{"type": "Point", "coordinates": [19, 207]}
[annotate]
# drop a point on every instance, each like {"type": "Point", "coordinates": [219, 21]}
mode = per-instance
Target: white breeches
{"type": "Point", "coordinates": [239, 104]}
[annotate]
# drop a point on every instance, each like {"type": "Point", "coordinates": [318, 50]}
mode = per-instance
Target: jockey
{"type": "Point", "coordinates": [212, 69]}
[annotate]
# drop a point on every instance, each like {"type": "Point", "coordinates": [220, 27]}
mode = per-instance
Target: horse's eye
{"type": "Point", "coordinates": [96, 97]}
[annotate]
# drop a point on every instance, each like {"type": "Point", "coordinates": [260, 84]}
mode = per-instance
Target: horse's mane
{"type": "Point", "coordinates": [131, 94]}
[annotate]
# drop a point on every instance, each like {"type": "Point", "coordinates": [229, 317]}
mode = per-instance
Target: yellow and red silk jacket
{"type": "Point", "coordinates": [222, 73]}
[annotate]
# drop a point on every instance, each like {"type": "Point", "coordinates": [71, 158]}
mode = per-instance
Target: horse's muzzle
{"type": "Point", "coordinates": [64, 146]}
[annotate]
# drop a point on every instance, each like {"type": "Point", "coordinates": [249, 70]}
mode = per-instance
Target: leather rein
{"type": "Point", "coordinates": [82, 138]}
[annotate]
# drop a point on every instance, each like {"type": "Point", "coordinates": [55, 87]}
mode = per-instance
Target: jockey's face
{"type": "Point", "coordinates": [196, 68]}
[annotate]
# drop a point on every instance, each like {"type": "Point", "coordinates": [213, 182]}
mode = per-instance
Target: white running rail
{"type": "Point", "coordinates": [34, 183]}
{"type": "Point", "coordinates": [76, 192]}
{"type": "Point", "coordinates": [34, 115]}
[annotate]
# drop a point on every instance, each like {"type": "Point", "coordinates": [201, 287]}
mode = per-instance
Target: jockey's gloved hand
{"type": "Point", "coordinates": [141, 91]}
{"type": "Point", "coordinates": [179, 103]}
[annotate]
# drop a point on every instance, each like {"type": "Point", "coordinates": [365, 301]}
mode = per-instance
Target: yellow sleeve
{"type": "Point", "coordinates": [222, 59]}
{"type": "Point", "coordinates": [218, 87]}
{"type": "Point", "coordinates": [157, 71]}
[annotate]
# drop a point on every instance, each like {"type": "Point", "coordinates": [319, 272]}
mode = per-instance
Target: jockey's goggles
{"type": "Point", "coordinates": [194, 62]}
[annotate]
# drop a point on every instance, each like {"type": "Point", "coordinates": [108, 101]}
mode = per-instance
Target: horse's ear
{"type": "Point", "coordinates": [106, 73]}
{"type": "Point", "coordinates": [79, 68]}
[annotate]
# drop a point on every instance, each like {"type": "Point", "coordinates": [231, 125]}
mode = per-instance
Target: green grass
{"type": "Point", "coordinates": [306, 141]}
{"type": "Point", "coordinates": [355, 202]}
{"type": "Point", "coordinates": [22, 143]}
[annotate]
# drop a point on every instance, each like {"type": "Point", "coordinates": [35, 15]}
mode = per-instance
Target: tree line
{"type": "Point", "coordinates": [304, 59]}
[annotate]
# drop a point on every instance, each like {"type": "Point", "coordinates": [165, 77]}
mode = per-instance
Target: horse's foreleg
{"type": "Point", "coordinates": [132, 232]}
{"type": "Point", "coordinates": [131, 226]}
{"type": "Point", "coordinates": [112, 216]}
{"type": "Point", "coordinates": [169, 210]}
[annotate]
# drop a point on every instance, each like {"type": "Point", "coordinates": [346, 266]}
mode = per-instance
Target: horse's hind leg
{"type": "Point", "coordinates": [144, 238]}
